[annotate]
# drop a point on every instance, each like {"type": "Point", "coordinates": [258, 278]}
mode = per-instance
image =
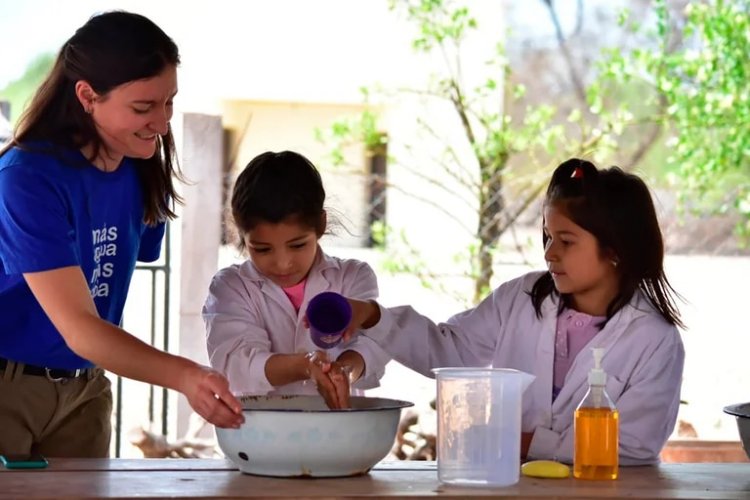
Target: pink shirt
{"type": "Point", "coordinates": [574, 330]}
{"type": "Point", "coordinates": [296, 294]}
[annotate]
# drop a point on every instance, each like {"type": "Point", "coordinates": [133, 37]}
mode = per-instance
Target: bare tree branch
{"type": "Point", "coordinates": [575, 78]}
{"type": "Point", "coordinates": [452, 153]}
{"type": "Point", "coordinates": [649, 139]}
{"type": "Point", "coordinates": [433, 203]}
{"type": "Point", "coordinates": [434, 182]}
{"type": "Point", "coordinates": [579, 17]}
{"type": "Point", "coordinates": [654, 132]}
{"type": "Point", "coordinates": [457, 99]}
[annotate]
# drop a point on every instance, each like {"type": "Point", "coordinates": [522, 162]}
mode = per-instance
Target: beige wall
{"type": "Point", "coordinates": [255, 127]}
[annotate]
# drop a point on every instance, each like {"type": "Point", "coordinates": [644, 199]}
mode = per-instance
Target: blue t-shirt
{"type": "Point", "coordinates": [59, 211]}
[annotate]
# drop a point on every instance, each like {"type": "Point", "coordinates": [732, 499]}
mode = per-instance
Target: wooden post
{"type": "Point", "coordinates": [198, 236]}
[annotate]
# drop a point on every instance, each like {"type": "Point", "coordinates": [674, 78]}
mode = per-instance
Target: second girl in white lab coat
{"type": "Point", "coordinates": [604, 287]}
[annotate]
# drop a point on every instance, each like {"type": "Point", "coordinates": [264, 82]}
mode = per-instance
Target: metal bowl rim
{"type": "Point", "coordinates": [393, 404]}
{"type": "Point", "coordinates": [737, 412]}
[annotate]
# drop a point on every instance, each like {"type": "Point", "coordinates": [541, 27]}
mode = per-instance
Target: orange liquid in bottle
{"type": "Point", "coordinates": [596, 445]}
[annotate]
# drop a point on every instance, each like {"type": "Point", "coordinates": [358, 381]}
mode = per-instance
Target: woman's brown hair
{"type": "Point", "coordinates": [111, 49]}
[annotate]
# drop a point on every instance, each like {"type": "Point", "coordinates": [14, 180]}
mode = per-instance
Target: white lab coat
{"type": "Point", "coordinates": [248, 318]}
{"type": "Point", "coordinates": [643, 359]}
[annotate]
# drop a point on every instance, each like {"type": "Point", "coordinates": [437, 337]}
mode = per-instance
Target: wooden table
{"type": "Point", "coordinates": [179, 478]}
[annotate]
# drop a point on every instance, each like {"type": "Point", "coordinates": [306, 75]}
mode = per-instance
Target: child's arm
{"type": "Point", "coordinates": [366, 358]}
{"type": "Point", "coordinates": [354, 363]}
{"type": "Point", "coordinates": [467, 339]}
{"type": "Point", "coordinates": [240, 348]}
{"type": "Point", "coordinates": [283, 369]}
{"type": "Point", "coordinates": [526, 438]}
{"type": "Point", "coordinates": [237, 345]}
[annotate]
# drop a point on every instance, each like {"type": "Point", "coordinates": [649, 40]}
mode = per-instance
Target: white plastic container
{"type": "Point", "coordinates": [479, 425]}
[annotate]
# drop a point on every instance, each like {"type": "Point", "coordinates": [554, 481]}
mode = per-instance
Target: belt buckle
{"type": "Point", "coordinates": [47, 373]}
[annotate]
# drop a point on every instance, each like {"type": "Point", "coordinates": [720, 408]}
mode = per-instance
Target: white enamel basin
{"type": "Point", "coordinates": [298, 436]}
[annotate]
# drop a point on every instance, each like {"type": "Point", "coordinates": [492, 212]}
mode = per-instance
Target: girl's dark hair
{"type": "Point", "coordinates": [111, 49]}
{"type": "Point", "coordinates": [616, 207]}
{"type": "Point", "coordinates": [274, 187]}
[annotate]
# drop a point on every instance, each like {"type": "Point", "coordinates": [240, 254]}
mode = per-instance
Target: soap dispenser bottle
{"type": "Point", "coordinates": [596, 429]}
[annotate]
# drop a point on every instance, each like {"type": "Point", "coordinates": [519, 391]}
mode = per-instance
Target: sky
{"type": "Point", "coordinates": [31, 27]}
{"type": "Point", "coordinates": [225, 44]}
{"type": "Point", "coordinates": [314, 51]}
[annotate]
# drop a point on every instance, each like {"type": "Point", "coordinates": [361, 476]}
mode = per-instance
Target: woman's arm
{"type": "Point", "coordinates": [65, 298]}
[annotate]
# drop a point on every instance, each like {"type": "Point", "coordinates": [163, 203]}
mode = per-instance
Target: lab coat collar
{"type": "Point", "coordinates": [605, 339]}
{"type": "Point", "coordinates": [321, 263]}
{"type": "Point", "coordinates": [316, 281]}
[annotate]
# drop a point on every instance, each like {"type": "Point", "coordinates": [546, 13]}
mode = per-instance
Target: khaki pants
{"type": "Point", "coordinates": [69, 418]}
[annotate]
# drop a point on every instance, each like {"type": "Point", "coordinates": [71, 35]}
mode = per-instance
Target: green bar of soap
{"type": "Point", "coordinates": [545, 468]}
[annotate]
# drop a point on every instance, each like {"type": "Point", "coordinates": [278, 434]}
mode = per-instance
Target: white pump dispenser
{"type": "Point", "coordinates": [597, 376]}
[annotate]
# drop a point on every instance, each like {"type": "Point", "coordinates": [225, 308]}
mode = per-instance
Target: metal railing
{"type": "Point", "coordinates": [161, 267]}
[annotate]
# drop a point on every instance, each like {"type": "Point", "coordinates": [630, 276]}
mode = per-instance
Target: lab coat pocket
{"type": "Point", "coordinates": [615, 387]}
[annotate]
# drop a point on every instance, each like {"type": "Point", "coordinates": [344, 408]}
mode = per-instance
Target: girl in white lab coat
{"type": "Point", "coordinates": [604, 287]}
{"type": "Point", "coordinates": [254, 314]}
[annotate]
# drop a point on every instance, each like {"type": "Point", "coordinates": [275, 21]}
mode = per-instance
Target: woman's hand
{"type": "Point", "coordinates": [207, 391]}
{"type": "Point", "coordinates": [365, 314]}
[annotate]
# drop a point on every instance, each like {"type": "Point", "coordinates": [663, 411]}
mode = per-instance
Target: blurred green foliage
{"type": "Point", "coordinates": [676, 107]}
{"type": "Point", "coordinates": [19, 92]}
{"type": "Point", "coordinates": [697, 75]}
{"type": "Point", "coordinates": [514, 141]}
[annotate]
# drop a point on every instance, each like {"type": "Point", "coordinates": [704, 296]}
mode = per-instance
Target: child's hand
{"type": "Point", "coordinates": [365, 314]}
{"type": "Point", "coordinates": [340, 376]}
{"type": "Point", "coordinates": [318, 368]}
{"type": "Point", "coordinates": [317, 363]}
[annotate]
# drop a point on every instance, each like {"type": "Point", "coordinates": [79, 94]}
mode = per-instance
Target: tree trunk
{"type": "Point", "coordinates": [491, 207]}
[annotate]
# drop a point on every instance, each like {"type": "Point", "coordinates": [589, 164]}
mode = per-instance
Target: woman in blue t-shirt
{"type": "Point", "coordinates": [86, 186]}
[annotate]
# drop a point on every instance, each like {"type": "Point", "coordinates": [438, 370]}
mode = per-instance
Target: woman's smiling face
{"type": "Point", "coordinates": [130, 117]}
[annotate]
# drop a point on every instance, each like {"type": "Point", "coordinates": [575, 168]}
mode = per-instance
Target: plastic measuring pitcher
{"type": "Point", "coordinates": [479, 425]}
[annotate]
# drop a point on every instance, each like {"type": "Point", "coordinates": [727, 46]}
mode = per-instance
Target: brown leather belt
{"type": "Point", "coordinates": [53, 374]}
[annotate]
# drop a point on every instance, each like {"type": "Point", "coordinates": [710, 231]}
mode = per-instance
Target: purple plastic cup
{"type": "Point", "coordinates": [328, 314]}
